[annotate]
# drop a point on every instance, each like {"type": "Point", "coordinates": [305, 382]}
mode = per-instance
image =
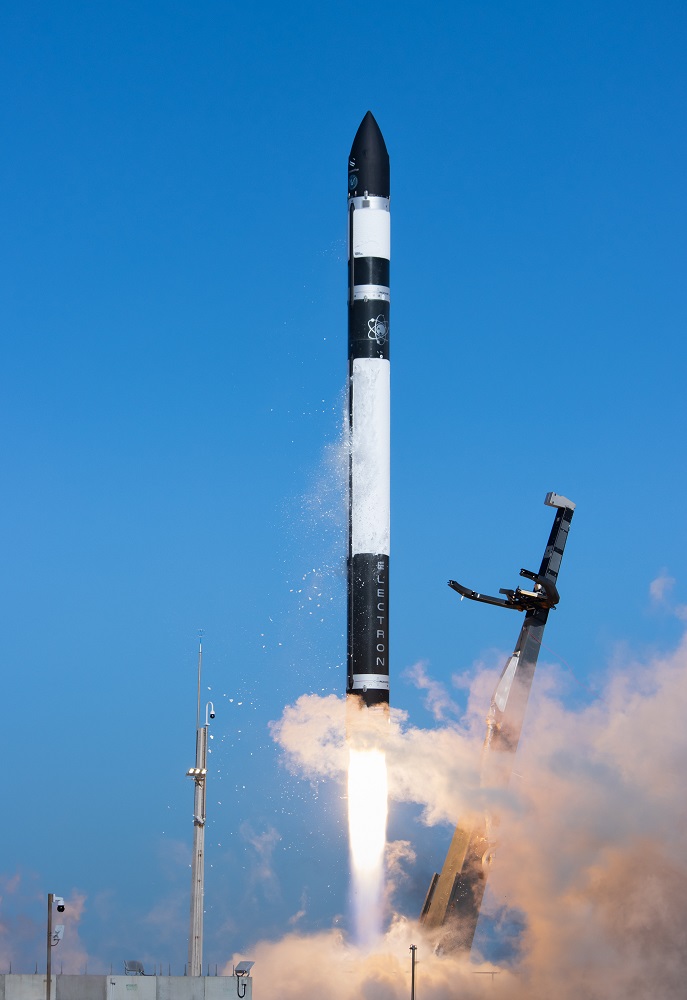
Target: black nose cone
{"type": "Point", "coordinates": [368, 163]}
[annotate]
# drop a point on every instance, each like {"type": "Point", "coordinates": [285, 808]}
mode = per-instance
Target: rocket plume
{"type": "Point", "coordinates": [367, 813]}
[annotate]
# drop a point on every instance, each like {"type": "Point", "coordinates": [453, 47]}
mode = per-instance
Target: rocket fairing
{"type": "Point", "coordinates": [368, 414]}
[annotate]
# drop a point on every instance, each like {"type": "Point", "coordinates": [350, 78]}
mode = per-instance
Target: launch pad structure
{"type": "Point", "coordinates": [455, 894]}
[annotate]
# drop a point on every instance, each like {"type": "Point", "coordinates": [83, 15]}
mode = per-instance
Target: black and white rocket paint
{"type": "Point", "coordinates": [369, 415]}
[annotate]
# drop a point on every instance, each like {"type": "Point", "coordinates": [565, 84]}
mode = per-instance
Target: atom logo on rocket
{"type": "Point", "coordinates": [378, 329]}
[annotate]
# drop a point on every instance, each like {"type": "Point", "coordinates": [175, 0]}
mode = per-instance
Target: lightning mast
{"type": "Point", "coordinates": [199, 775]}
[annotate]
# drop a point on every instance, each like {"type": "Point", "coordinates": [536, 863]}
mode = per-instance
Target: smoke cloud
{"type": "Point", "coordinates": [327, 965]}
{"type": "Point", "coordinates": [436, 768]}
{"type": "Point", "coordinates": [591, 842]}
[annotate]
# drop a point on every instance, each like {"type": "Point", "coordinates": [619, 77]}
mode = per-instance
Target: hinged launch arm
{"type": "Point", "coordinates": [455, 895]}
{"type": "Point", "coordinates": [544, 595]}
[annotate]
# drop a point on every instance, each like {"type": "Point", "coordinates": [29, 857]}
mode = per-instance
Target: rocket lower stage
{"type": "Point", "coordinates": [368, 573]}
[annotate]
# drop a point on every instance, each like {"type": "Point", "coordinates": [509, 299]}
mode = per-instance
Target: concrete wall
{"type": "Point", "coordinates": [80, 988]}
{"type": "Point", "coordinates": [130, 988]}
{"type": "Point", "coordinates": [179, 988]}
{"type": "Point", "coordinates": [26, 987]}
{"type": "Point", "coordinates": [228, 987]}
{"type": "Point", "coordinates": [17, 987]}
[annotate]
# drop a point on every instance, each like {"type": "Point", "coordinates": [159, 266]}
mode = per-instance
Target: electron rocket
{"type": "Point", "coordinates": [368, 414]}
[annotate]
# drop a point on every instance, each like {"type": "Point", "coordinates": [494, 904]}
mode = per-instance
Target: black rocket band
{"type": "Point", "coordinates": [369, 411]}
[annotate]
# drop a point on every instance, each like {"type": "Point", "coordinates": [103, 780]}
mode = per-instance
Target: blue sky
{"type": "Point", "coordinates": [173, 370]}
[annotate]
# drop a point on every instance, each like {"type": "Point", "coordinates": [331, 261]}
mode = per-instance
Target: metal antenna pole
{"type": "Point", "coordinates": [51, 898]}
{"type": "Point", "coordinates": [198, 773]}
{"type": "Point", "coordinates": [413, 949]}
{"type": "Point", "coordinates": [200, 667]}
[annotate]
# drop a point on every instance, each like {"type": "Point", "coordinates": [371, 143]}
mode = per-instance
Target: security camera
{"type": "Point", "coordinates": [212, 714]}
{"type": "Point", "coordinates": [60, 904]}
